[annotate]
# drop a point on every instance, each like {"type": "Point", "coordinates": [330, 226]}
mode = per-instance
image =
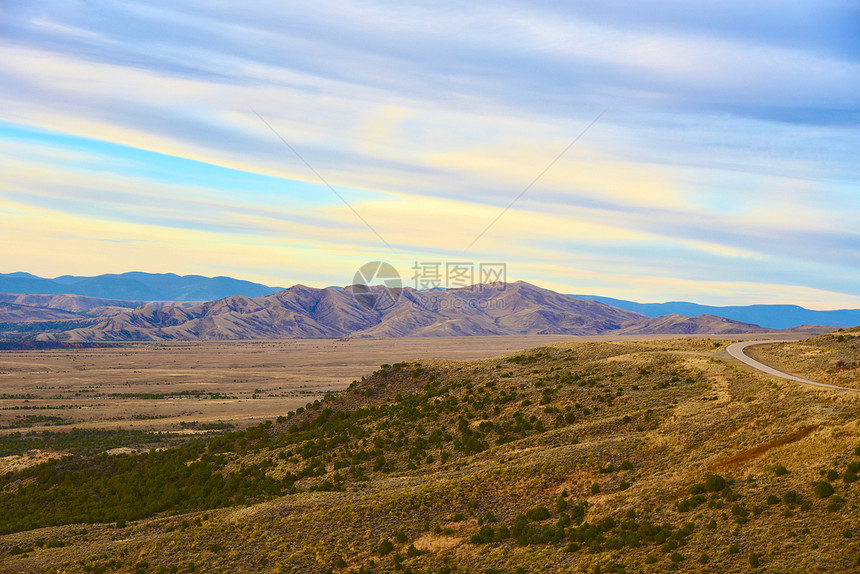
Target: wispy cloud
{"type": "Point", "coordinates": [727, 157]}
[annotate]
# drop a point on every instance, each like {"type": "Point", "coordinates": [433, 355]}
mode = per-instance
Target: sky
{"type": "Point", "coordinates": [655, 151]}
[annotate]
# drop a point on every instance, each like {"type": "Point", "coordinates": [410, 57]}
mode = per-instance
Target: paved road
{"type": "Point", "coordinates": [736, 350]}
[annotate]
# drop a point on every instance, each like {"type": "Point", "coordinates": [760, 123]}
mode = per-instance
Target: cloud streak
{"type": "Point", "coordinates": [728, 151]}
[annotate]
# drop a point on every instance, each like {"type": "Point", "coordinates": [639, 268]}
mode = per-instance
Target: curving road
{"type": "Point", "coordinates": [736, 350]}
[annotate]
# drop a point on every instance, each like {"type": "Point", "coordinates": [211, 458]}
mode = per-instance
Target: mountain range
{"type": "Point", "coordinates": [135, 286]}
{"type": "Point", "coordinates": [771, 316]}
{"type": "Point", "coordinates": [304, 312]}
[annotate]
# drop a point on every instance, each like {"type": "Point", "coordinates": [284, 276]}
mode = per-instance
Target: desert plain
{"type": "Point", "coordinates": [181, 387]}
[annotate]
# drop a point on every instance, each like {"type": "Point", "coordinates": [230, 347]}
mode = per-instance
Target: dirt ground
{"type": "Point", "coordinates": [158, 386]}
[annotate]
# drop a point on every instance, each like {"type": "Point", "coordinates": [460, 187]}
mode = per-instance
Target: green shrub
{"type": "Point", "coordinates": [780, 470]}
{"type": "Point", "coordinates": [741, 513]}
{"type": "Point", "coordinates": [714, 483]}
{"type": "Point", "coordinates": [791, 497]}
{"type": "Point", "coordinates": [385, 547]}
{"type": "Point", "coordinates": [412, 551]}
{"type": "Point", "coordinates": [538, 513]}
{"type": "Point", "coordinates": [822, 489]}
{"type": "Point", "coordinates": [484, 536]}
{"type": "Point", "coordinates": [754, 560]}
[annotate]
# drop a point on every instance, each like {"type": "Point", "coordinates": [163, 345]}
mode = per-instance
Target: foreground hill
{"type": "Point", "coordinates": [499, 309]}
{"type": "Point", "coordinates": [587, 457]}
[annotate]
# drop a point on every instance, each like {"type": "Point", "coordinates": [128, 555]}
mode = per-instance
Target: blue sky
{"type": "Point", "coordinates": [722, 170]}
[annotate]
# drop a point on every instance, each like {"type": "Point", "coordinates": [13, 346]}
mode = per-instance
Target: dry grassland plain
{"type": "Point", "coordinates": [160, 386]}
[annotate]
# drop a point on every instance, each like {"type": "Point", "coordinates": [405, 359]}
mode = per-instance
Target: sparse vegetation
{"type": "Point", "coordinates": [438, 466]}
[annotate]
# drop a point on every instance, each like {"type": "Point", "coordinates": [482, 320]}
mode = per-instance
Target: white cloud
{"type": "Point", "coordinates": [431, 118]}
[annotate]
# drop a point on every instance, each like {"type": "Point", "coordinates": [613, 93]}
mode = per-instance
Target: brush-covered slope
{"type": "Point", "coordinates": [496, 309]}
{"type": "Point", "coordinates": [612, 457]}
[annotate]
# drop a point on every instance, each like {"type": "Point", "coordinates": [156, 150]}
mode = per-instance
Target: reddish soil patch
{"type": "Point", "coordinates": [759, 450]}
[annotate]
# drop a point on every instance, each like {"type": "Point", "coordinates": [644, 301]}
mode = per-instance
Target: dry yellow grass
{"type": "Point", "coordinates": [661, 416]}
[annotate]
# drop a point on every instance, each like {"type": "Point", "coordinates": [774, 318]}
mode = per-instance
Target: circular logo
{"type": "Point", "coordinates": [377, 286]}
